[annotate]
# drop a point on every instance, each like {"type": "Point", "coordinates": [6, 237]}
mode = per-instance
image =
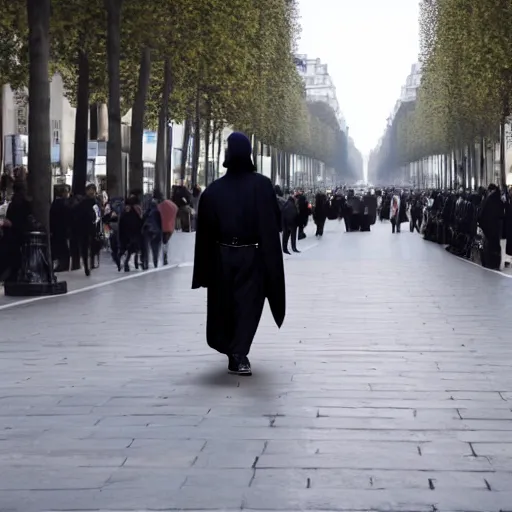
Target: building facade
{"type": "Point", "coordinates": [319, 84]}
{"type": "Point", "coordinates": [377, 164]}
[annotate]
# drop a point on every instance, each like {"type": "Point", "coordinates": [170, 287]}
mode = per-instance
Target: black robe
{"type": "Point", "coordinates": [370, 209]}
{"type": "Point", "coordinates": [241, 205]}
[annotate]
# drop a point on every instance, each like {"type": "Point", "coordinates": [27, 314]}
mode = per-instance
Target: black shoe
{"type": "Point", "coordinates": [239, 366]}
{"type": "Point", "coordinates": [87, 272]}
{"type": "Point", "coordinates": [296, 250]}
{"type": "Point", "coordinates": [287, 252]}
{"type": "Point", "coordinates": [165, 260]}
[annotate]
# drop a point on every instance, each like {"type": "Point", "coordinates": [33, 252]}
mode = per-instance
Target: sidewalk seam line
{"type": "Point", "coordinates": [93, 286]}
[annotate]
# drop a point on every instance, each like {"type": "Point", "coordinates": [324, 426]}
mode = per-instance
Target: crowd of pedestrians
{"type": "Point", "coordinates": [476, 225]}
{"type": "Point", "coordinates": [136, 230]}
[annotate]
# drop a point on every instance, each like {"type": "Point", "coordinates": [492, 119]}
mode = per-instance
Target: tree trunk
{"type": "Point", "coordinates": [1, 128]}
{"type": "Point", "coordinates": [474, 167]}
{"type": "Point", "coordinates": [93, 121]}
{"type": "Point", "coordinates": [184, 150]}
{"type": "Point", "coordinates": [219, 151]}
{"type": "Point", "coordinates": [197, 140]}
{"type": "Point", "coordinates": [214, 137]}
{"type": "Point", "coordinates": [163, 120]}
{"type": "Point", "coordinates": [273, 166]}
{"type": "Point", "coordinates": [482, 162]}
{"type": "Point", "coordinates": [261, 159]}
{"type": "Point", "coordinates": [288, 169]}
{"type": "Point", "coordinates": [255, 150]}
{"type": "Point", "coordinates": [207, 130]}
{"type": "Point", "coordinates": [455, 182]}
{"type": "Point", "coordinates": [115, 185]}
{"type": "Point", "coordinates": [39, 150]}
{"type": "Point", "coordinates": [168, 180]}
{"type": "Point", "coordinates": [445, 174]}
{"type": "Point", "coordinates": [81, 125]}
{"type": "Point", "coordinates": [137, 128]}
{"type": "Point", "coordinates": [503, 169]}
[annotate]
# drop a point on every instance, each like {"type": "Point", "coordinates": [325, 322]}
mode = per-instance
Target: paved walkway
{"type": "Point", "coordinates": [181, 249]}
{"type": "Point", "coordinates": [388, 389]}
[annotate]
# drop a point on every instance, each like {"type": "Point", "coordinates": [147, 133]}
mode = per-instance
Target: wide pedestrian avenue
{"type": "Point", "coordinates": [389, 388]}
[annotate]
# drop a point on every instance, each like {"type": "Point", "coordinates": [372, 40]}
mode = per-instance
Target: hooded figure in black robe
{"type": "Point", "coordinates": [238, 255]}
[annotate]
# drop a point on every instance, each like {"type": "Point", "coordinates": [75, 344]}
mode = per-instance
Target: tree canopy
{"type": "Point", "coordinates": [234, 61]}
{"type": "Point", "coordinates": [466, 86]}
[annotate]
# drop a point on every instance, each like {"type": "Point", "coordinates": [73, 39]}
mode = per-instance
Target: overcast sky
{"type": "Point", "coordinates": [369, 47]}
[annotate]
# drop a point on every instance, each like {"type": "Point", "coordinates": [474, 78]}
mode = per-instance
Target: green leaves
{"type": "Point", "coordinates": [237, 55]}
{"type": "Point", "coordinates": [466, 53]}
{"type": "Point", "coordinates": [13, 44]}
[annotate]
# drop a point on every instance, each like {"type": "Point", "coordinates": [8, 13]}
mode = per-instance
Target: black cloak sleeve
{"type": "Point", "coordinates": [205, 243]}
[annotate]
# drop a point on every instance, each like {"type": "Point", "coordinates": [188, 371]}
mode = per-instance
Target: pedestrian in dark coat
{"type": "Point", "coordinates": [60, 229]}
{"type": "Point", "coordinates": [304, 213]}
{"type": "Point", "coordinates": [84, 227]}
{"type": "Point", "coordinates": [18, 221]}
{"type": "Point", "coordinates": [130, 233]}
{"type": "Point", "coordinates": [289, 220]}
{"type": "Point", "coordinates": [320, 213]}
{"type": "Point", "coordinates": [238, 255]}
{"type": "Point", "coordinates": [491, 219]}
{"type": "Point", "coordinates": [508, 223]}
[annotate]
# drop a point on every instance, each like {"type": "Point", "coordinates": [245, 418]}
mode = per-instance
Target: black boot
{"type": "Point", "coordinates": [239, 365]}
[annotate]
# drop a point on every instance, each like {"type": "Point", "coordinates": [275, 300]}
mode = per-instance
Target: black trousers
{"type": "Point", "coordinates": [320, 224]}
{"type": "Point", "coordinates": [290, 230]}
{"type": "Point", "coordinates": [83, 248]}
{"type": "Point", "coordinates": [60, 253]}
{"type": "Point", "coordinates": [365, 223]}
{"type": "Point", "coordinates": [491, 254]}
{"type": "Point", "coordinates": [355, 222]}
{"type": "Point", "coordinates": [395, 226]}
{"type": "Point", "coordinates": [151, 244]}
{"type": "Point", "coordinates": [235, 300]}
{"type": "Point", "coordinates": [347, 218]}
{"type": "Point", "coordinates": [415, 223]}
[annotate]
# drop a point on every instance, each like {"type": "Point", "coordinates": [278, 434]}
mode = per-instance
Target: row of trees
{"type": "Point", "coordinates": [207, 63]}
{"type": "Point", "coordinates": [464, 100]}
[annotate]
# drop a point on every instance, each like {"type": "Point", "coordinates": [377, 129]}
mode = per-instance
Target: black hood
{"type": "Point", "coordinates": [239, 153]}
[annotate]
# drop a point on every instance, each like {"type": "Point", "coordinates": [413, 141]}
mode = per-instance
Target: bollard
{"type": "Point", "coordinates": [35, 277]}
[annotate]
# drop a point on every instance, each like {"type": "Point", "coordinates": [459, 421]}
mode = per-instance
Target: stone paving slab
{"type": "Point", "coordinates": [181, 248]}
{"type": "Point", "coordinates": [389, 388]}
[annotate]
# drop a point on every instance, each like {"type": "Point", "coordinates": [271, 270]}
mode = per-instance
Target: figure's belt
{"type": "Point", "coordinates": [237, 242]}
